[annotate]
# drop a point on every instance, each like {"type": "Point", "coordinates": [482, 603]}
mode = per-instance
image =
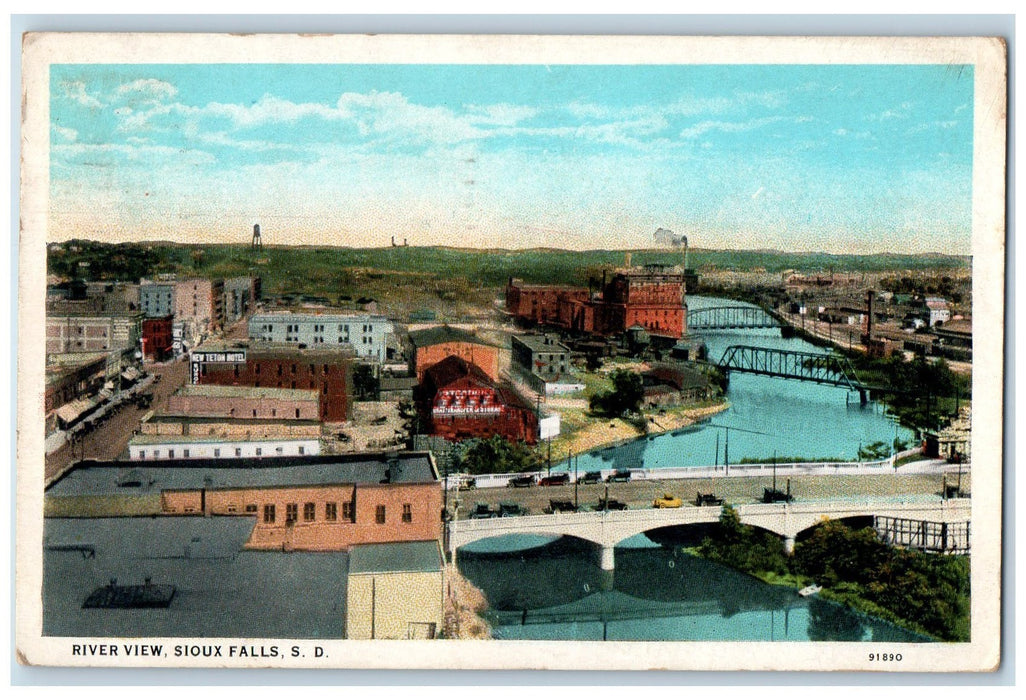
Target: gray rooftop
{"type": "Point", "coordinates": [220, 589]}
{"type": "Point", "coordinates": [393, 557]}
{"type": "Point", "coordinates": [247, 392]}
{"type": "Point", "coordinates": [101, 479]}
{"type": "Point", "coordinates": [541, 343]}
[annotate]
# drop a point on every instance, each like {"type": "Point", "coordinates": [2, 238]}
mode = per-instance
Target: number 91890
{"type": "Point", "coordinates": [884, 657]}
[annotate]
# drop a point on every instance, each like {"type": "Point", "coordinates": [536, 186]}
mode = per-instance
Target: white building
{"type": "Point", "coordinates": [367, 334]}
{"type": "Point", "coordinates": [148, 448]}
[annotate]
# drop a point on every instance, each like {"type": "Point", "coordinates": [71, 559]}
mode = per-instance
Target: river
{"type": "Point", "coordinates": [540, 588]}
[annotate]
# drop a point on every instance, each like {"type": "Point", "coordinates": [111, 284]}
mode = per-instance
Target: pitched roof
{"type": "Point", "coordinates": [452, 369]}
{"type": "Point", "coordinates": [443, 334]}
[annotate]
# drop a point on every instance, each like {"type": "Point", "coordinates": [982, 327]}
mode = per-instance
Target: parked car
{"type": "Point", "coordinates": [707, 499]}
{"type": "Point", "coordinates": [555, 479]}
{"type": "Point", "coordinates": [508, 509]}
{"type": "Point", "coordinates": [562, 506]}
{"type": "Point", "coordinates": [776, 496]}
{"type": "Point", "coordinates": [668, 500]}
{"type": "Point", "coordinates": [611, 504]}
{"type": "Point", "coordinates": [482, 511]}
{"type": "Point", "coordinates": [620, 475]}
{"type": "Point", "coordinates": [466, 482]}
{"type": "Point", "coordinates": [519, 482]}
{"type": "Point", "coordinates": [590, 478]}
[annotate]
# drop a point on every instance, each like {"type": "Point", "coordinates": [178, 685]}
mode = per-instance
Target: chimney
{"type": "Point", "coordinates": [869, 315]}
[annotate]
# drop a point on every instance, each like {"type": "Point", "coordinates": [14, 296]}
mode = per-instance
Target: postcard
{"type": "Point", "coordinates": [511, 352]}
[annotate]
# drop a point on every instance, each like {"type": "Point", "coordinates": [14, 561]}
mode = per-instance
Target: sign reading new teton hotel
{"type": "Point", "coordinates": [198, 359]}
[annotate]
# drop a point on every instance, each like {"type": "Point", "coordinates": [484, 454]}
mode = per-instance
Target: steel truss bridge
{"type": "Point", "coordinates": [833, 370]}
{"type": "Point", "coordinates": [726, 317]}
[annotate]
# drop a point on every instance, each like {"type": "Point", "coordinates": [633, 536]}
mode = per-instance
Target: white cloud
{"type": "Point", "coordinates": [727, 127]}
{"type": "Point", "coordinates": [69, 135]}
{"type": "Point", "coordinates": [503, 114]}
{"type": "Point", "coordinates": [76, 90]}
{"type": "Point", "coordinates": [149, 88]}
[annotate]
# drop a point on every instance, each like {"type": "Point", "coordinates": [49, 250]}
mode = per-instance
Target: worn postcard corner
{"type": "Point", "coordinates": [511, 352]}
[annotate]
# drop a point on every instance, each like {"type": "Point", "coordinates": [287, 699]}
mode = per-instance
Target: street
{"type": "Point", "coordinates": [110, 439]}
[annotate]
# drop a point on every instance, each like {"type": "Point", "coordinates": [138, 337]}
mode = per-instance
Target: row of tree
{"type": "Point", "coordinates": [928, 593]}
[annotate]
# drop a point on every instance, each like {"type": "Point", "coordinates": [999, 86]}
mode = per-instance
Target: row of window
{"type": "Point", "coordinates": [278, 451]}
{"type": "Point", "coordinates": [330, 512]}
{"type": "Point", "coordinates": [318, 328]}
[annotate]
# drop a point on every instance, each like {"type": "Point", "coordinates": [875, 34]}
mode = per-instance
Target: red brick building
{"type": "Point", "coordinates": [430, 346]}
{"type": "Point", "coordinates": [540, 303]}
{"type": "Point", "coordinates": [458, 401]}
{"type": "Point", "coordinates": [329, 371]}
{"type": "Point", "coordinates": [157, 338]}
{"type": "Point", "coordinates": [652, 297]}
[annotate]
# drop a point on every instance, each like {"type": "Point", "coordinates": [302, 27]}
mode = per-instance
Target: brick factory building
{"type": "Point", "coordinates": [326, 370]}
{"type": "Point", "coordinates": [157, 339]}
{"type": "Point", "coordinates": [92, 324]}
{"type": "Point", "coordinates": [299, 503]}
{"type": "Point", "coordinates": [458, 400]}
{"type": "Point", "coordinates": [430, 346]}
{"type": "Point", "coordinates": [652, 297]}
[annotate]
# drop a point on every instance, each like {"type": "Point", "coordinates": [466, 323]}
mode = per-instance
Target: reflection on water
{"type": "Point", "coordinates": [785, 417]}
{"type": "Point", "coordinates": [656, 593]}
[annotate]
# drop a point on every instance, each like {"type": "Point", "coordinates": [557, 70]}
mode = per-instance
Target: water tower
{"type": "Point", "coordinates": [257, 243]}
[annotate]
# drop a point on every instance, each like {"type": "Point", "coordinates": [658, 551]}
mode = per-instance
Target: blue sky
{"type": "Point", "coordinates": [833, 158]}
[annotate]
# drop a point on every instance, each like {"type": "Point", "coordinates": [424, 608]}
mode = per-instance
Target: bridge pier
{"type": "Point", "coordinates": [607, 558]}
{"type": "Point", "coordinates": [788, 545]}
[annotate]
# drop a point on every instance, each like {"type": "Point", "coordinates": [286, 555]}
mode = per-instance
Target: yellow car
{"type": "Point", "coordinates": [667, 501]}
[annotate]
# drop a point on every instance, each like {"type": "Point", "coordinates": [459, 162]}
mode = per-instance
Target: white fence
{"type": "Point", "coordinates": [882, 466]}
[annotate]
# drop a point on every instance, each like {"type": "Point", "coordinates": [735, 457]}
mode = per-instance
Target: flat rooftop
{"type": "Point", "coordinates": [218, 391]}
{"type": "Point", "coordinates": [541, 343]}
{"type": "Point", "coordinates": [220, 590]}
{"type": "Point", "coordinates": [263, 348]}
{"type": "Point", "coordinates": [328, 315]}
{"type": "Point", "coordinates": [104, 478]}
{"type": "Point", "coordinates": [394, 557]}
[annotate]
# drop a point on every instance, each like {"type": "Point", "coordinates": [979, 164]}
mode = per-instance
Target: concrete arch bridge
{"type": "Point", "coordinates": [605, 529]}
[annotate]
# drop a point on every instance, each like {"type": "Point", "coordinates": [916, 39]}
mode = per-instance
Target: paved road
{"type": "Point", "coordinates": [639, 494]}
{"type": "Point", "coordinates": [110, 440]}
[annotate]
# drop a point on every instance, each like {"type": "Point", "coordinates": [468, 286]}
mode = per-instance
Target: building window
{"type": "Point", "coordinates": [347, 511]}
{"type": "Point", "coordinates": [279, 450]}
{"type": "Point", "coordinates": [302, 450]}
{"type": "Point", "coordinates": [238, 451]}
{"type": "Point", "coordinates": [291, 513]}
{"type": "Point", "coordinates": [142, 454]}
{"type": "Point", "coordinates": [156, 454]}
{"type": "Point", "coordinates": [251, 508]}
{"type": "Point", "coordinates": [269, 514]}
{"type": "Point", "coordinates": [331, 512]}
{"type": "Point", "coordinates": [232, 508]}
{"type": "Point", "coordinates": [259, 452]}
{"type": "Point", "coordinates": [308, 511]}
{"type": "Point", "coordinates": [297, 413]}
{"type": "Point", "coordinates": [379, 515]}
{"type": "Point", "coordinates": [185, 453]}
{"type": "Point", "coordinates": [407, 513]}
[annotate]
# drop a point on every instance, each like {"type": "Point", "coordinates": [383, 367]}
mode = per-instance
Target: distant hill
{"type": "Point", "coordinates": [335, 270]}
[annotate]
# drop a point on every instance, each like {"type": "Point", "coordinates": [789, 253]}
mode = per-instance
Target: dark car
{"type": "Point", "coordinates": [508, 509]}
{"type": "Point", "coordinates": [620, 475]}
{"type": "Point", "coordinates": [708, 499]}
{"type": "Point", "coordinates": [590, 478]}
{"type": "Point", "coordinates": [555, 479]}
{"type": "Point", "coordinates": [519, 482]}
{"type": "Point", "coordinates": [776, 496]}
{"type": "Point", "coordinates": [482, 511]}
{"type": "Point", "coordinates": [562, 506]}
{"type": "Point", "coordinates": [611, 504]}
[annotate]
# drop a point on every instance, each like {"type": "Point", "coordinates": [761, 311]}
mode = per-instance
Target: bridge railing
{"type": "Point", "coordinates": [484, 481]}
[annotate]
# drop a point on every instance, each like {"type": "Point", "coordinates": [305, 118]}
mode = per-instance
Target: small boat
{"type": "Point", "coordinates": [810, 590]}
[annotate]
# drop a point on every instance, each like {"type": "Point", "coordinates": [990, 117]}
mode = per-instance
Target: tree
{"type": "Point", "coordinates": [364, 382]}
{"type": "Point", "coordinates": [495, 455]}
{"type": "Point", "coordinates": [625, 397]}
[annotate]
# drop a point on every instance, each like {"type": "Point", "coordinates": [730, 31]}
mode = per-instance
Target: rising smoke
{"type": "Point", "coordinates": [668, 238]}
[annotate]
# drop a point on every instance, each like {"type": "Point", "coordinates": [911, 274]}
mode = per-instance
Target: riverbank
{"type": "Point", "coordinates": [464, 604]}
{"type": "Point", "coordinates": [587, 433]}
